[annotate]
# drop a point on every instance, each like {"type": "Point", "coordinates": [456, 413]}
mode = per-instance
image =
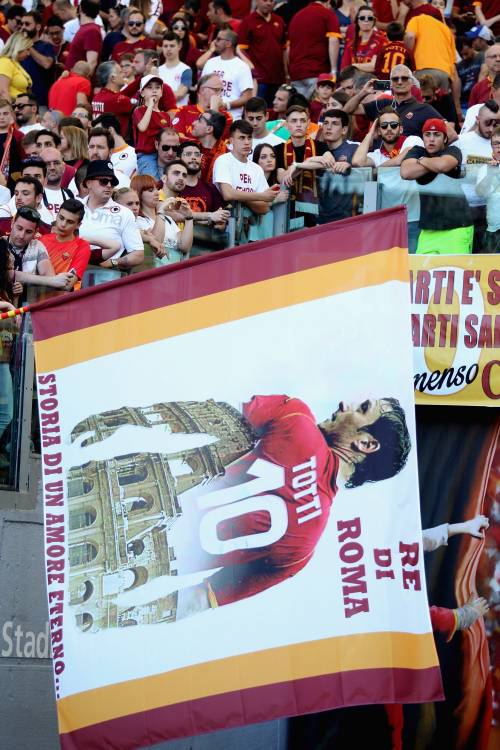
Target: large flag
{"type": "Point", "coordinates": [231, 501]}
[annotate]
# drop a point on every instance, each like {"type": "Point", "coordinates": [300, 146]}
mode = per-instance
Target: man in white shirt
{"type": "Point", "coordinates": [108, 225]}
{"type": "Point", "coordinates": [392, 150]}
{"type": "Point", "coordinates": [239, 179]}
{"type": "Point", "coordinates": [473, 111]}
{"type": "Point", "coordinates": [54, 193]}
{"type": "Point", "coordinates": [488, 186]}
{"type": "Point", "coordinates": [235, 74]}
{"type": "Point", "coordinates": [123, 156]}
{"type": "Point", "coordinates": [476, 149]}
{"type": "Point", "coordinates": [173, 72]}
{"type": "Point", "coordinates": [255, 112]}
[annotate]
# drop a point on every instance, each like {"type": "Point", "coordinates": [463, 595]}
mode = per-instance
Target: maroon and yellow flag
{"type": "Point", "coordinates": [230, 489]}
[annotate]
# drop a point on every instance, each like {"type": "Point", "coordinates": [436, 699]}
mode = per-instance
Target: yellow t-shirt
{"type": "Point", "coordinates": [19, 79]}
{"type": "Point", "coordinates": [434, 44]}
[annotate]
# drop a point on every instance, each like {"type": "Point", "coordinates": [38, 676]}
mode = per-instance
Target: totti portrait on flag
{"type": "Point", "coordinates": [255, 520]}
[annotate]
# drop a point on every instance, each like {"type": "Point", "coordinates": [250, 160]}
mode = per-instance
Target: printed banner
{"type": "Point", "coordinates": [456, 329]}
{"type": "Point", "coordinates": [230, 490]}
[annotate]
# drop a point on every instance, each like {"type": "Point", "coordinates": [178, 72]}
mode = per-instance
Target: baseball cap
{"type": "Point", "coordinates": [326, 78]}
{"type": "Point", "coordinates": [434, 124]}
{"type": "Point", "coordinates": [147, 79]}
{"type": "Point", "coordinates": [100, 168]}
{"type": "Point", "coordinates": [481, 32]}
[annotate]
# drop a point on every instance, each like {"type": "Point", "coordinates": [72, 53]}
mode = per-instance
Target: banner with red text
{"type": "Point", "coordinates": [456, 329]}
{"type": "Point", "coordinates": [230, 489]}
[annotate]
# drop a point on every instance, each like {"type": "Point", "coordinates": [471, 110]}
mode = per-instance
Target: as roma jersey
{"type": "Point", "coordinates": [262, 520]}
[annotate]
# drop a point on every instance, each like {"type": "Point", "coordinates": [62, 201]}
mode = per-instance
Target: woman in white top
{"type": "Point", "coordinates": [156, 219]}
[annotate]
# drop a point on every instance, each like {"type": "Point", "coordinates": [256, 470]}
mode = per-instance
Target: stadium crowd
{"type": "Point", "coordinates": [129, 130]}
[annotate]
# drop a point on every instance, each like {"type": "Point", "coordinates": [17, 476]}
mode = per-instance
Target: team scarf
{"type": "Point", "coordinates": [5, 163]}
{"type": "Point", "coordinates": [306, 181]}
{"type": "Point", "coordinates": [396, 149]}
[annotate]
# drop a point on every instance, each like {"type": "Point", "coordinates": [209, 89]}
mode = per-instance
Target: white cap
{"type": "Point", "coordinates": [150, 77]}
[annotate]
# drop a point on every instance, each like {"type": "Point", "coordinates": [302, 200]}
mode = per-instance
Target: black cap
{"type": "Point", "coordinates": [100, 168]}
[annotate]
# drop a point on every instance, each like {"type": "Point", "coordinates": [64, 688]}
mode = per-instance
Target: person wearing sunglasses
{"type": "Point", "coordinates": [235, 73]}
{"type": "Point", "coordinates": [109, 227]}
{"type": "Point", "coordinates": [12, 22]}
{"type": "Point", "coordinates": [363, 46]}
{"type": "Point", "coordinates": [412, 112]}
{"type": "Point", "coordinates": [488, 186]}
{"type": "Point", "coordinates": [134, 31]}
{"type": "Point", "coordinates": [387, 131]}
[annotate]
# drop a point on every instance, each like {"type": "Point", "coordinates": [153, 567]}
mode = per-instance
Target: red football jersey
{"type": "Point", "coordinates": [262, 520]}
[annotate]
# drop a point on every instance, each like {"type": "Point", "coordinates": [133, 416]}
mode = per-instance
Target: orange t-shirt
{"type": "Point", "coordinates": [67, 255]}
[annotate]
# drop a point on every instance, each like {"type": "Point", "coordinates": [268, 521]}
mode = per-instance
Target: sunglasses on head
{"type": "Point", "coordinates": [104, 181]}
{"type": "Point", "coordinates": [366, 18]}
{"type": "Point", "coordinates": [402, 79]}
{"type": "Point", "coordinates": [391, 125]}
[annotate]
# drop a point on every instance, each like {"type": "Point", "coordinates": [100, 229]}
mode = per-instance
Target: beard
{"type": "Point", "coordinates": [193, 170]}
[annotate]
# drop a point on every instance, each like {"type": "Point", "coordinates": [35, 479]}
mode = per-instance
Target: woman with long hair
{"type": "Point", "coordinates": [189, 53]}
{"type": "Point", "coordinates": [264, 156]}
{"type": "Point", "coordinates": [153, 217]}
{"type": "Point", "coordinates": [364, 42]}
{"type": "Point", "coordinates": [74, 145]}
{"type": "Point", "coordinates": [14, 79]}
{"type": "Point", "coordinates": [127, 196]}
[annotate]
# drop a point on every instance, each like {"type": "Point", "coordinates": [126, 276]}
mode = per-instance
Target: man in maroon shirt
{"type": "Point", "coordinates": [417, 8]}
{"type": "Point", "coordinates": [109, 100]}
{"type": "Point", "coordinates": [482, 90]}
{"type": "Point", "coordinates": [262, 36]}
{"type": "Point", "coordinates": [134, 29]}
{"type": "Point", "coordinates": [87, 42]}
{"type": "Point", "coordinates": [314, 35]}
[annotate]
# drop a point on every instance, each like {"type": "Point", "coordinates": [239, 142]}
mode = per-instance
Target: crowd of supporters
{"type": "Point", "coordinates": [128, 130]}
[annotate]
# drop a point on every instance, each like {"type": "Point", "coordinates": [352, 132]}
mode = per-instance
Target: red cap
{"type": "Point", "coordinates": [326, 78]}
{"type": "Point", "coordinates": [436, 125]}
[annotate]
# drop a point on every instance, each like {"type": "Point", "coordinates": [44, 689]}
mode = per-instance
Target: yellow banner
{"type": "Point", "coordinates": [456, 329]}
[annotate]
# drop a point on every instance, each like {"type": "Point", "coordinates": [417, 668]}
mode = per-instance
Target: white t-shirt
{"type": "Point", "coordinates": [270, 139]}
{"type": "Point", "coordinates": [491, 176]}
{"type": "Point", "coordinates": [55, 198]}
{"type": "Point", "coordinates": [378, 157]}
{"type": "Point", "coordinates": [171, 239]}
{"type": "Point", "coordinates": [178, 75]}
{"type": "Point", "coordinates": [112, 222]}
{"type": "Point", "coordinates": [124, 160]}
{"type": "Point", "coordinates": [236, 77]}
{"type": "Point", "coordinates": [475, 150]}
{"type": "Point", "coordinates": [248, 176]}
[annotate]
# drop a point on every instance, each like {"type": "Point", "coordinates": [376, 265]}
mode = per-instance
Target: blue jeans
{"type": "Point", "coordinates": [148, 164]}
